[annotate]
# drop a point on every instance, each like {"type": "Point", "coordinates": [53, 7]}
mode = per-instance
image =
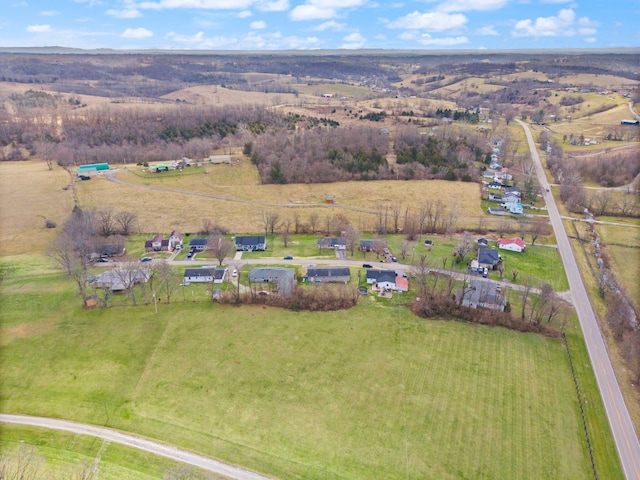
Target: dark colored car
{"type": "Point", "coordinates": [288, 257]}
{"type": "Point", "coordinates": [367, 265]}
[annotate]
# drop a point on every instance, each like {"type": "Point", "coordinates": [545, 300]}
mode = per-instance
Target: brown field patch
{"type": "Point", "coordinates": [29, 194]}
{"type": "Point", "coordinates": [189, 202]}
{"type": "Point", "coordinates": [220, 96]}
{"type": "Point", "coordinates": [9, 333]}
{"type": "Point", "coordinates": [602, 81]}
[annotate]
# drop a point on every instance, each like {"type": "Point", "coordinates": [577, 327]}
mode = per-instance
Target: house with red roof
{"type": "Point", "coordinates": [515, 244]}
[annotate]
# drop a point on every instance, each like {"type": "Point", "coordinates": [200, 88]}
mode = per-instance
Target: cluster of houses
{"type": "Point", "coordinates": [160, 244]}
{"type": "Point", "coordinates": [509, 199]}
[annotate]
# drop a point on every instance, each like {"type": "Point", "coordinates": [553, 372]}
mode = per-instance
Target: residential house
{"type": "Point", "coordinates": [283, 278]}
{"type": "Point", "coordinates": [497, 211]}
{"type": "Point", "coordinates": [496, 185]}
{"type": "Point", "coordinates": [250, 243]}
{"type": "Point", "coordinates": [402, 284]}
{"type": "Point", "coordinates": [382, 279]}
{"type": "Point", "coordinates": [198, 244]}
{"type": "Point", "coordinates": [510, 197]}
{"type": "Point", "coordinates": [514, 208]}
{"type": "Point", "coordinates": [332, 243]}
{"type": "Point", "coordinates": [495, 197]}
{"type": "Point", "coordinates": [156, 242]}
{"type": "Point", "coordinates": [481, 294]}
{"type": "Point", "coordinates": [483, 242]}
{"type": "Point", "coordinates": [121, 280]}
{"type": "Point", "coordinates": [375, 245]}
{"type": "Point", "coordinates": [487, 258]}
{"type": "Point", "coordinates": [329, 274]}
{"type": "Point", "coordinates": [175, 239]}
{"type": "Point", "coordinates": [205, 275]}
{"type": "Point", "coordinates": [515, 244]}
{"type": "Point", "coordinates": [513, 190]}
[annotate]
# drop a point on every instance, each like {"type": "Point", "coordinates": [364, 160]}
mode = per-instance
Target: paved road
{"type": "Point", "coordinates": [140, 443]}
{"type": "Point", "coordinates": [624, 434]}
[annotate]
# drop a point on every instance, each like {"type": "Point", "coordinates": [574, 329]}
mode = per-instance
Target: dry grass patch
{"type": "Point", "coordinates": [602, 81]}
{"type": "Point", "coordinates": [220, 96]}
{"type": "Point", "coordinates": [192, 198]}
{"type": "Point", "coordinates": [29, 194]}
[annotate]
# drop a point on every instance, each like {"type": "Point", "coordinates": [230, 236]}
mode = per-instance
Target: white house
{"type": "Point", "coordinates": [514, 208]}
{"type": "Point", "coordinates": [204, 275]}
{"type": "Point", "coordinates": [515, 244]}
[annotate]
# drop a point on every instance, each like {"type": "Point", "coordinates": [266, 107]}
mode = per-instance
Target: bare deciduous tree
{"type": "Point", "coordinates": [313, 221]}
{"type": "Point", "coordinates": [220, 247]}
{"type": "Point", "coordinates": [127, 222]}
{"type": "Point", "coordinates": [464, 246]}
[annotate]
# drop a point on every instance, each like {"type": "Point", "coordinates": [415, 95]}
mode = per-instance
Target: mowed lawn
{"type": "Point", "coordinates": [370, 393]}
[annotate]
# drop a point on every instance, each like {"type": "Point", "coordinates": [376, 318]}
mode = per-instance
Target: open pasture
{"type": "Point", "coordinates": [30, 193]}
{"type": "Point", "coordinates": [220, 195]}
{"type": "Point", "coordinates": [376, 393]}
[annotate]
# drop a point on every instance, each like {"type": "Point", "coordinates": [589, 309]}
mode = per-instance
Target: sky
{"type": "Point", "coordinates": [320, 24]}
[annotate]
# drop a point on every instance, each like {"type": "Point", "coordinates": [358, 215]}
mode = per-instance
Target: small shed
{"type": "Point", "coordinates": [329, 199]}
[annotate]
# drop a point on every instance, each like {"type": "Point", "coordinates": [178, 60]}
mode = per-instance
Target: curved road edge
{"type": "Point", "coordinates": [624, 434]}
{"type": "Point", "coordinates": [156, 448]}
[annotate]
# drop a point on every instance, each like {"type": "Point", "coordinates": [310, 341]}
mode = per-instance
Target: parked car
{"type": "Point", "coordinates": [394, 259]}
{"type": "Point", "coordinates": [185, 284]}
{"type": "Point", "coordinates": [367, 265]}
{"type": "Point", "coordinates": [235, 273]}
{"type": "Point", "coordinates": [190, 254]}
{"type": "Point", "coordinates": [146, 259]}
{"type": "Point", "coordinates": [103, 260]}
{"type": "Point", "coordinates": [288, 257]}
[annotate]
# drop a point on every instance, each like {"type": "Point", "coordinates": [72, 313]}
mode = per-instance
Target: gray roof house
{"type": "Point", "coordinates": [198, 244]}
{"type": "Point", "coordinates": [120, 280]}
{"type": "Point", "coordinates": [205, 275]}
{"type": "Point", "coordinates": [329, 274]}
{"type": "Point", "coordinates": [284, 278]}
{"type": "Point", "coordinates": [482, 294]}
{"type": "Point", "coordinates": [249, 243]}
{"type": "Point", "coordinates": [487, 257]}
{"type": "Point", "coordinates": [328, 243]}
{"type": "Point", "coordinates": [382, 278]}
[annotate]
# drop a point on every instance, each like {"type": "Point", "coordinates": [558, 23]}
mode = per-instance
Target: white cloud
{"type": "Point", "coordinates": [353, 40]}
{"type": "Point", "coordinates": [273, 5]}
{"type": "Point", "coordinates": [431, 21]}
{"type": "Point", "coordinates": [445, 42]}
{"type": "Point", "coordinates": [137, 33]}
{"type": "Point", "coordinates": [489, 30]}
{"type": "Point", "coordinates": [200, 4]}
{"type": "Point", "coordinates": [330, 25]}
{"type": "Point", "coordinates": [49, 13]}
{"type": "Point", "coordinates": [250, 41]}
{"type": "Point", "coordinates": [558, 26]}
{"type": "Point", "coordinates": [312, 12]}
{"type": "Point", "coordinates": [244, 14]}
{"type": "Point", "coordinates": [39, 28]}
{"type": "Point", "coordinates": [258, 25]}
{"type": "Point", "coordinates": [469, 5]}
{"type": "Point", "coordinates": [124, 13]}
{"type": "Point", "coordinates": [590, 40]}
{"type": "Point", "coordinates": [322, 9]}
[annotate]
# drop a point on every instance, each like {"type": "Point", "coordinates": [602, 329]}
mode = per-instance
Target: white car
{"type": "Point", "coordinates": [235, 273]}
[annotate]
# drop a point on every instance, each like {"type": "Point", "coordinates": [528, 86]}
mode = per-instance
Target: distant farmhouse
{"type": "Point", "coordinates": [515, 244]}
{"type": "Point", "coordinates": [121, 280]}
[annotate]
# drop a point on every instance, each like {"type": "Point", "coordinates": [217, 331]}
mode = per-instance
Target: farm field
{"type": "Point", "coordinates": [376, 393]}
{"type": "Point", "coordinates": [359, 201]}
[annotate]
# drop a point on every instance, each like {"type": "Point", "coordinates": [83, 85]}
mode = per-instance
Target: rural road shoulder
{"type": "Point", "coordinates": [622, 428]}
{"type": "Point", "coordinates": [140, 443]}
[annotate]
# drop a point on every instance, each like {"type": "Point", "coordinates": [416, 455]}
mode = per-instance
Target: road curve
{"type": "Point", "coordinates": [624, 434]}
{"type": "Point", "coordinates": [140, 443]}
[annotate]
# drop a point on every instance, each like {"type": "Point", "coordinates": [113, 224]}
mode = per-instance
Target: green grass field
{"type": "Point", "coordinates": [376, 393]}
{"type": "Point", "coordinates": [66, 455]}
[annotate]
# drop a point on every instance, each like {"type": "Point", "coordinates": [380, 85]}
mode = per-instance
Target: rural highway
{"type": "Point", "coordinates": [140, 443]}
{"type": "Point", "coordinates": [624, 434]}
